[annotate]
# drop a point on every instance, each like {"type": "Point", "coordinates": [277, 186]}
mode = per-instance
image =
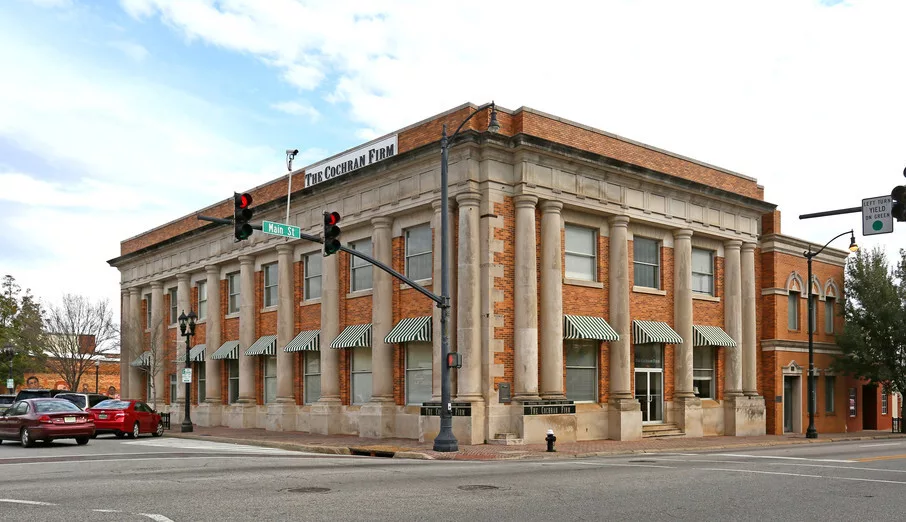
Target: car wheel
{"type": "Point", "coordinates": [159, 431]}
{"type": "Point", "coordinates": [135, 431]}
{"type": "Point", "coordinates": [25, 438]}
{"type": "Point", "coordinates": [94, 435]}
{"type": "Point", "coordinates": [119, 434]}
{"type": "Point", "coordinates": [81, 441]}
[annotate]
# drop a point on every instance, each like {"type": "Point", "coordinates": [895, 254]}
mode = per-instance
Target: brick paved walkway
{"type": "Point", "coordinates": [409, 448]}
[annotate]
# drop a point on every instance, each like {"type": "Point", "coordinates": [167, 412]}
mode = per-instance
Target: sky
{"type": "Point", "coordinates": [119, 116]}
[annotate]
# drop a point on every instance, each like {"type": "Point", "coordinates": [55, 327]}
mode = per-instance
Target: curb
{"type": "Point", "coordinates": [290, 446]}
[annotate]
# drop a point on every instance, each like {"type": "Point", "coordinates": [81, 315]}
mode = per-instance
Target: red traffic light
{"type": "Point", "coordinates": [454, 360]}
{"type": "Point", "coordinates": [331, 218]}
{"type": "Point", "coordinates": [245, 201]}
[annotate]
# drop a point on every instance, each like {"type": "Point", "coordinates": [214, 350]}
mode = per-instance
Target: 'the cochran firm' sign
{"type": "Point", "coordinates": [351, 161]}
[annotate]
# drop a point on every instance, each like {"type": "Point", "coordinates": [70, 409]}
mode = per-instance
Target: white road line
{"type": "Point", "coordinates": [152, 516]}
{"type": "Point", "coordinates": [623, 465]}
{"type": "Point", "coordinates": [881, 444]}
{"type": "Point", "coordinates": [79, 455]}
{"type": "Point", "coordinates": [739, 455]}
{"type": "Point", "coordinates": [30, 502]}
{"type": "Point", "coordinates": [162, 457]}
{"type": "Point", "coordinates": [790, 464]}
{"type": "Point", "coordinates": [107, 510]}
{"type": "Point", "coordinates": [209, 446]}
{"type": "Point", "coordinates": [803, 475]}
{"type": "Point", "coordinates": [155, 516]}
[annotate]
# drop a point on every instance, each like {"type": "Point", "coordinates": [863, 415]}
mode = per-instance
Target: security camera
{"type": "Point", "coordinates": [292, 152]}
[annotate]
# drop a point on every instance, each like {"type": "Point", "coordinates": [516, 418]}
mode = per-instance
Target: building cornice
{"type": "Point", "coordinates": [797, 247]}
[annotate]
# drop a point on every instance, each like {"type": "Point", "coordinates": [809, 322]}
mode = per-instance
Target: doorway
{"type": "Point", "coordinates": [649, 382]}
{"type": "Point", "coordinates": [792, 404]}
{"type": "Point", "coordinates": [869, 407]}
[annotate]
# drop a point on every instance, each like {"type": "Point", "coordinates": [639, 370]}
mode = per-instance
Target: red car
{"type": "Point", "coordinates": [46, 419]}
{"type": "Point", "coordinates": [126, 416]}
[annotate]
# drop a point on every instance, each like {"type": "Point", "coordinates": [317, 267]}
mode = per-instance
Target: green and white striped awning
{"type": "Point", "coordinates": [309, 340]}
{"type": "Point", "coordinates": [142, 360]}
{"type": "Point", "coordinates": [645, 332]}
{"type": "Point", "coordinates": [588, 327]}
{"type": "Point", "coordinates": [410, 329]}
{"type": "Point", "coordinates": [228, 350]}
{"type": "Point", "coordinates": [354, 336]}
{"type": "Point", "coordinates": [196, 354]}
{"type": "Point", "coordinates": [265, 345]}
{"type": "Point", "coordinates": [711, 336]}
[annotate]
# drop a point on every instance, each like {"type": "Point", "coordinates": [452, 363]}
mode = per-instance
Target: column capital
{"type": "Point", "coordinates": [682, 233]}
{"type": "Point", "coordinates": [157, 285]}
{"type": "Point", "coordinates": [619, 221]}
{"type": "Point", "coordinates": [525, 201]}
{"type": "Point", "coordinates": [748, 247]}
{"type": "Point", "coordinates": [183, 278]}
{"type": "Point", "coordinates": [135, 290]}
{"type": "Point", "coordinates": [246, 260]}
{"type": "Point", "coordinates": [436, 204]}
{"type": "Point", "coordinates": [212, 270]}
{"type": "Point", "coordinates": [381, 222]}
{"type": "Point", "coordinates": [285, 249]}
{"type": "Point", "coordinates": [551, 206]}
{"type": "Point", "coordinates": [732, 244]}
{"type": "Point", "coordinates": [468, 199]}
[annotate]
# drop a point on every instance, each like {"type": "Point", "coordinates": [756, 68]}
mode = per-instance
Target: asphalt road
{"type": "Point", "coordinates": [181, 480]}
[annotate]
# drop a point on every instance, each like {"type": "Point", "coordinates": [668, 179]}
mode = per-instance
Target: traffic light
{"type": "Point", "coordinates": [454, 360]}
{"type": "Point", "coordinates": [242, 214]}
{"type": "Point", "coordinates": [899, 203]}
{"type": "Point", "coordinates": [331, 233]}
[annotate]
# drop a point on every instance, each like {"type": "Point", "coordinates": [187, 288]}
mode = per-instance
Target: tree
{"type": "Point", "coordinates": [21, 325]}
{"type": "Point", "coordinates": [78, 332]}
{"type": "Point", "coordinates": [872, 341]}
{"type": "Point", "coordinates": [153, 360]}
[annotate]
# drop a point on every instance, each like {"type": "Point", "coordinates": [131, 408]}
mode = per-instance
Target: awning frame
{"type": "Point", "coordinates": [588, 327]}
{"type": "Point", "coordinates": [227, 351]}
{"type": "Point", "coordinates": [711, 336]}
{"type": "Point", "coordinates": [305, 341]}
{"type": "Point", "coordinates": [411, 329]}
{"type": "Point", "coordinates": [354, 336]}
{"type": "Point", "coordinates": [648, 332]}
{"type": "Point", "coordinates": [265, 345]}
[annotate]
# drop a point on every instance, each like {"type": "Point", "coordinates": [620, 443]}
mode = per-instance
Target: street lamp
{"type": "Point", "coordinates": [97, 369]}
{"type": "Point", "coordinates": [189, 321]}
{"type": "Point", "coordinates": [10, 350]}
{"type": "Point", "coordinates": [445, 440]}
{"type": "Point", "coordinates": [811, 432]}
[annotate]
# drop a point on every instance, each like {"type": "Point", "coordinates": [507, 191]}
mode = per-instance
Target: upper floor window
{"type": "Point", "coordinates": [581, 254]}
{"type": "Point", "coordinates": [233, 293]}
{"type": "Point", "coordinates": [270, 284]}
{"type": "Point", "coordinates": [418, 252]}
{"type": "Point", "coordinates": [360, 276]}
{"type": "Point", "coordinates": [646, 257]}
{"type": "Point", "coordinates": [792, 311]}
{"type": "Point", "coordinates": [202, 300]}
{"type": "Point", "coordinates": [148, 309]}
{"type": "Point", "coordinates": [174, 311]}
{"type": "Point", "coordinates": [829, 313]}
{"type": "Point", "coordinates": [702, 271]}
{"type": "Point", "coordinates": [312, 287]}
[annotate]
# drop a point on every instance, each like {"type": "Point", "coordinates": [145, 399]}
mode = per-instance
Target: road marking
{"type": "Point", "coordinates": [803, 475]}
{"type": "Point", "coordinates": [792, 464]}
{"type": "Point", "coordinates": [739, 455]}
{"type": "Point", "coordinates": [883, 457]}
{"type": "Point", "coordinates": [212, 446]}
{"type": "Point", "coordinates": [30, 502]}
{"type": "Point", "coordinates": [152, 516]}
{"type": "Point", "coordinates": [155, 516]}
{"type": "Point", "coordinates": [107, 510]}
{"type": "Point", "coordinates": [164, 457]}
{"type": "Point", "coordinates": [624, 465]}
{"type": "Point", "coordinates": [881, 444]}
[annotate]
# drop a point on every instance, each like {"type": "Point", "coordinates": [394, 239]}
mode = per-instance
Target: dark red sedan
{"type": "Point", "coordinates": [126, 416]}
{"type": "Point", "coordinates": [31, 420]}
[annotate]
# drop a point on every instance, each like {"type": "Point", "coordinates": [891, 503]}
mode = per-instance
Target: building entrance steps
{"type": "Point", "coordinates": [507, 439]}
{"type": "Point", "coordinates": [667, 429]}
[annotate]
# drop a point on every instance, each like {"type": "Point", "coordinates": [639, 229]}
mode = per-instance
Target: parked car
{"type": "Point", "coordinates": [33, 393]}
{"type": "Point", "coordinates": [126, 416]}
{"type": "Point", "coordinates": [82, 400]}
{"type": "Point", "coordinates": [45, 419]}
{"type": "Point", "coordinates": [6, 400]}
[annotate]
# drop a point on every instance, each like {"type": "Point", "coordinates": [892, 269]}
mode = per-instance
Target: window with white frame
{"type": "Point", "coordinates": [270, 378]}
{"type": "Point", "coordinates": [233, 293]}
{"type": "Point", "coordinates": [361, 375]}
{"type": "Point", "coordinates": [418, 252]}
{"type": "Point", "coordinates": [703, 271]}
{"type": "Point", "coordinates": [202, 382]}
{"type": "Point", "coordinates": [418, 372]}
{"type": "Point", "coordinates": [202, 300]}
{"type": "Point", "coordinates": [174, 311]}
{"type": "Point", "coordinates": [646, 262]}
{"type": "Point", "coordinates": [233, 381]}
{"type": "Point", "coordinates": [581, 253]}
{"type": "Point", "coordinates": [829, 313]}
{"type": "Point", "coordinates": [312, 383]}
{"type": "Point", "coordinates": [883, 400]}
{"type": "Point", "coordinates": [271, 278]}
{"type": "Point", "coordinates": [703, 372]}
{"type": "Point", "coordinates": [172, 388]}
{"type": "Point", "coordinates": [830, 393]}
{"type": "Point", "coordinates": [792, 311]}
{"type": "Point", "coordinates": [148, 309]}
{"type": "Point", "coordinates": [581, 370]}
{"type": "Point", "coordinates": [312, 287]}
{"type": "Point", "coordinates": [360, 270]}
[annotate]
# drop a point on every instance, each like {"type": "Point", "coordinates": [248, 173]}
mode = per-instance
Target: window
{"type": "Point", "coordinates": [702, 271]}
{"type": "Point", "coordinates": [883, 400]}
{"type": "Point", "coordinates": [202, 300]}
{"type": "Point", "coordinates": [829, 313]}
{"type": "Point", "coordinates": [418, 253]}
{"type": "Point", "coordinates": [174, 311]}
{"type": "Point", "coordinates": [172, 388]}
{"type": "Point", "coordinates": [361, 375]}
{"type": "Point", "coordinates": [312, 287]}
{"type": "Point", "coordinates": [813, 303]}
{"type": "Point", "coordinates": [312, 376]}
{"type": "Point", "coordinates": [581, 254]}
{"type": "Point", "coordinates": [147, 311]}
{"type": "Point", "coordinates": [270, 284]}
{"type": "Point", "coordinates": [852, 402]}
{"type": "Point", "coordinates": [233, 386]}
{"type": "Point", "coordinates": [270, 378]}
{"type": "Point", "coordinates": [646, 259]}
{"type": "Point", "coordinates": [418, 372]}
{"type": "Point", "coordinates": [792, 311]}
{"type": "Point", "coordinates": [360, 278]}
{"type": "Point", "coordinates": [202, 392]}
{"type": "Point", "coordinates": [233, 292]}
{"type": "Point", "coordinates": [703, 372]}
{"type": "Point", "coordinates": [830, 386]}
{"type": "Point", "coordinates": [582, 371]}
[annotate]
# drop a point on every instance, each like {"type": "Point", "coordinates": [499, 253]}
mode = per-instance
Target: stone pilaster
{"type": "Point", "coordinates": [242, 414]}
{"type": "Point", "coordinates": [210, 412]}
{"type": "Point", "coordinates": [625, 415]}
{"type": "Point", "coordinates": [435, 315]}
{"type": "Point", "coordinates": [183, 299]}
{"type": "Point", "coordinates": [468, 317]}
{"type": "Point", "coordinates": [552, 303]}
{"type": "Point", "coordinates": [686, 405]}
{"type": "Point", "coordinates": [325, 412]}
{"type": "Point", "coordinates": [526, 301]}
{"type": "Point", "coordinates": [136, 376]}
{"type": "Point", "coordinates": [732, 318]}
{"type": "Point", "coordinates": [749, 342]}
{"type": "Point", "coordinates": [281, 415]}
{"type": "Point", "coordinates": [158, 328]}
{"type": "Point", "coordinates": [126, 348]}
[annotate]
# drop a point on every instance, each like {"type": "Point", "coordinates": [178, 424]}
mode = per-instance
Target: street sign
{"type": "Point", "coordinates": [186, 375]}
{"type": "Point", "coordinates": [876, 216]}
{"type": "Point", "coordinates": [279, 229]}
{"type": "Point", "coordinates": [10, 384]}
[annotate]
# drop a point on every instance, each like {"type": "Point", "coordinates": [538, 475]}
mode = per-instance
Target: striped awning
{"type": "Point", "coordinates": [228, 350]}
{"type": "Point", "coordinates": [711, 336]}
{"type": "Point", "coordinates": [196, 354]}
{"type": "Point", "coordinates": [265, 345]}
{"type": "Point", "coordinates": [588, 327]}
{"type": "Point", "coordinates": [142, 360]}
{"type": "Point", "coordinates": [410, 329]}
{"type": "Point", "coordinates": [645, 332]}
{"type": "Point", "coordinates": [354, 336]}
{"type": "Point", "coordinates": [309, 340]}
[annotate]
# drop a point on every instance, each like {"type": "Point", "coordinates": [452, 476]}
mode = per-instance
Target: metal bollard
{"type": "Point", "coordinates": [550, 440]}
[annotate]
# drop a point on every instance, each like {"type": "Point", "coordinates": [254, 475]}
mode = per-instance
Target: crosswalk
{"type": "Point", "coordinates": [214, 447]}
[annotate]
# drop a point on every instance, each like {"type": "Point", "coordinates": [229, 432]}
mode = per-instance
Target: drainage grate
{"type": "Point", "coordinates": [308, 490]}
{"type": "Point", "coordinates": [476, 487]}
{"type": "Point", "coordinates": [366, 452]}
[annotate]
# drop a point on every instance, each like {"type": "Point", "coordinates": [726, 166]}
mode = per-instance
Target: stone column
{"type": "Point", "coordinates": [468, 317]}
{"type": "Point", "coordinates": [136, 376]}
{"type": "Point", "coordinates": [435, 327]}
{"type": "Point", "coordinates": [126, 347]}
{"type": "Point", "coordinates": [324, 416]}
{"type": "Point", "coordinates": [552, 301]}
{"type": "Point", "coordinates": [210, 412]}
{"type": "Point", "coordinates": [732, 318]}
{"type": "Point", "coordinates": [624, 412]}
{"type": "Point", "coordinates": [183, 305]}
{"type": "Point", "coordinates": [281, 415]}
{"type": "Point", "coordinates": [682, 312]}
{"type": "Point", "coordinates": [749, 342]}
{"type": "Point", "coordinates": [158, 326]}
{"type": "Point", "coordinates": [526, 301]}
{"type": "Point", "coordinates": [247, 334]}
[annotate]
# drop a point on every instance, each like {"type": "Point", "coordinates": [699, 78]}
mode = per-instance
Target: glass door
{"type": "Point", "coordinates": [649, 386]}
{"type": "Point", "coordinates": [787, 404]}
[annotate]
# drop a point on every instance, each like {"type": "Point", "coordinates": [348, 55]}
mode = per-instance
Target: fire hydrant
{"type": "Point", "coordinates": [550, 440]}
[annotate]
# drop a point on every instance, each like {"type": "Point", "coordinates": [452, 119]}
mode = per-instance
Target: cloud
{"type": "Point", "coordinates": [298, 109]}
{"type": "Point", "coordinates": [51, 3]}
{"type": "Point", "coordinates": [136, 52]}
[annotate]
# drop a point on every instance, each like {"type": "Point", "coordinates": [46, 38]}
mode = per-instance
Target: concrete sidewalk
{"type": "Point", "coordinates": [409, 448]}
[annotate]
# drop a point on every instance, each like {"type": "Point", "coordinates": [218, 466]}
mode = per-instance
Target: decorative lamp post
{"type": "Point", "coordinates": [189, 321]}
{"type": "Point", "coordinates": [445, 440]}
{"type": "Point", "coordinates": [812, 432]}
{"type": "Point", "coordinates": [10, 351]}
{"type": "Point", "coordinates": [97, 369]}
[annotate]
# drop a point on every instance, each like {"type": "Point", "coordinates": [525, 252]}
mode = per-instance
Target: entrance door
{"type": "Point", "coordinates": [788, 398]}
{"type": "Point", "coordinates": [869, 407]}
{"type": "Point", "coordinates": [649, 386]}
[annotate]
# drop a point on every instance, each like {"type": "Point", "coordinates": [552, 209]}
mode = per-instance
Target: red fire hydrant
{"type": "Point", "coordinates": [550, 440]}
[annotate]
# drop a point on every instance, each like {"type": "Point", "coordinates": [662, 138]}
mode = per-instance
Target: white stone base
{"type": "Point", "coordinates": [465, 429]}
{"type": "Point", "coordinates": [325, 418]}
{"type": "Point", "coordinates": [209, 414]}
{"type": "Point", "coordinates": [377, 420]}
{"type": "Point", "coordinates": [744, 416]}
{"type": "Point", "coordinates": [240, 415]}
{"type": "Point", "coordinates": [534, 427]}
{"type": "Point", "coordinates": [281, 416]}
{"type": "Point", "coordinates": [688, 416]}
{"type": "Point", "coordinates": [624, 419]}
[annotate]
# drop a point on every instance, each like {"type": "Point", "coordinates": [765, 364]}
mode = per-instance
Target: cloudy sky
{"type": "Point", "coordinates": [116, 117]}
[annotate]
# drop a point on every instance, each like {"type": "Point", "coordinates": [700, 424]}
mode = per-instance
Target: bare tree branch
{"type": "Point", "coordinates": [78, 332]}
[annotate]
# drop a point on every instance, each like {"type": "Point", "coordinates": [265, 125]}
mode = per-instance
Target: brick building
{"type": "Point", "coordinates": [601, 287]}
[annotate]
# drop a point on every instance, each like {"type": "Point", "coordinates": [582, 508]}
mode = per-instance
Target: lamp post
{"type": "Point", "coordinates": [189, 321]}
{"type": "Point", "coordinates": [10, 350]}
{"type": "Point", "coordinates": [445, 440]}
{"type": "Point", "coordinates": [812, 432]}
{"type": "Point", "coordinates": [97, 369]}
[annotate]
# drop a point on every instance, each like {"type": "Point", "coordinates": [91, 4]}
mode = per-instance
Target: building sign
{"type": "Point", "coordinates": [351, 161]}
